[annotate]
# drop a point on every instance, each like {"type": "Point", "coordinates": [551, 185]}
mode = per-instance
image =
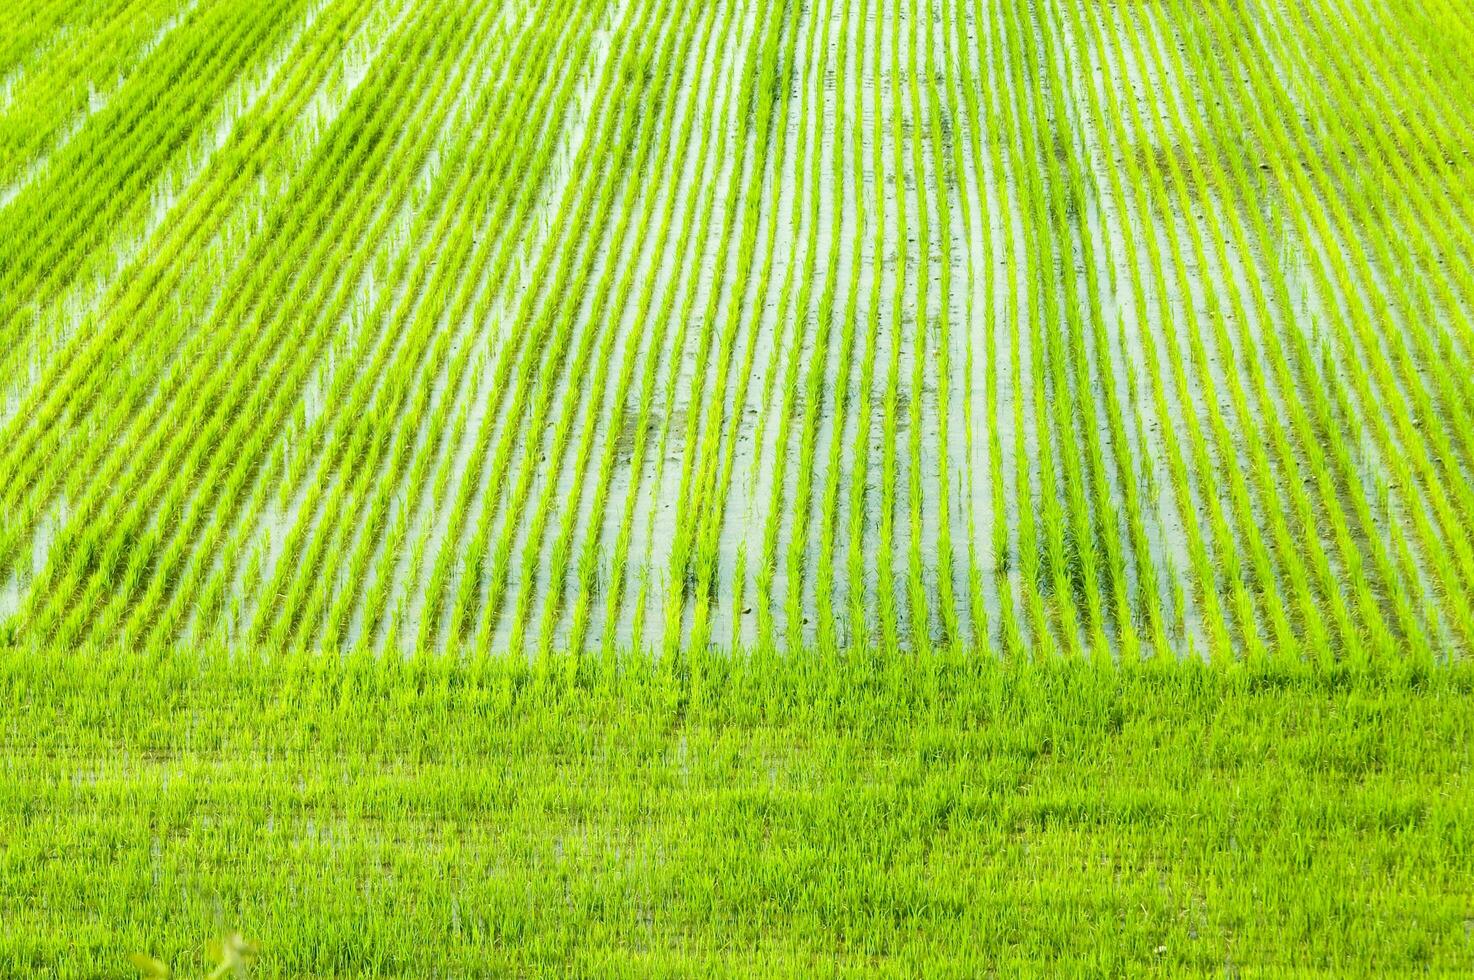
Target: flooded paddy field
{"type": "Point", "coordinates": [1053, 327]}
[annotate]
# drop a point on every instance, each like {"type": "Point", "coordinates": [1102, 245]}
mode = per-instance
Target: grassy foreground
{"type": "Point", "coordinates": [936, 815]}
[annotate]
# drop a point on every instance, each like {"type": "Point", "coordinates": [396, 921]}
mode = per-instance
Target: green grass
{"type": "Point", "coordinates": [944, 814]}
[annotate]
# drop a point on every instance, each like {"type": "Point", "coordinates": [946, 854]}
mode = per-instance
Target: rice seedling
{"type": "Point", "coordinates": [679, 489]}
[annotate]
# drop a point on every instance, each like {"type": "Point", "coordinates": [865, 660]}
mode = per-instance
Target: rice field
{"type": "Point", "coordinates": [1121, 330]}
{"type": "Point", "coordinates": [494, 487]}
